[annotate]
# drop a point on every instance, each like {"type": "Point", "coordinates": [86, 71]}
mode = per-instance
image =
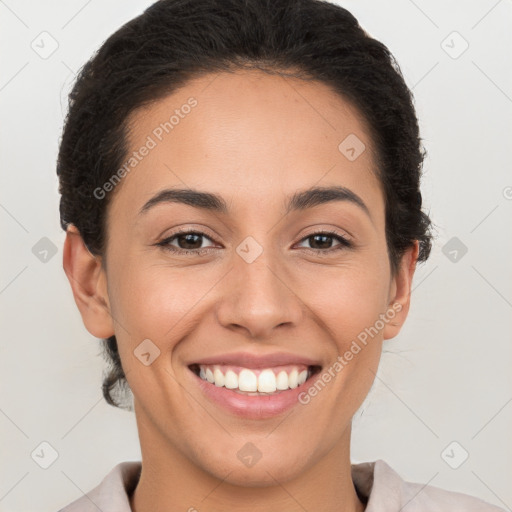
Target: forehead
{"type": "Point", "coordinates": [248, 135]}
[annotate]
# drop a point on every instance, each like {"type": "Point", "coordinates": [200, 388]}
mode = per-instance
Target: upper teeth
{"type": "Point", "coordinates": [265, 380]}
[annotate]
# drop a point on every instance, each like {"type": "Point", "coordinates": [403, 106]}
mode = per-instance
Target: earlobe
{"type": "Point", "coordinates": [400, 296]}
{"type": "Point", "coordinates": [88, 284]}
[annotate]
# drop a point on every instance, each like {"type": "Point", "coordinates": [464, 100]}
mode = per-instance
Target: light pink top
{"type": "Point", "coordinates": [376, 483]}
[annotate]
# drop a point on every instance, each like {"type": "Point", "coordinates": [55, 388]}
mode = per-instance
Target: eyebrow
{"type": "Point", "coordinates": [298, 201]}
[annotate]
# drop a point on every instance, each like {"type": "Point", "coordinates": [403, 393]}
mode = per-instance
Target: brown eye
{"type": "Point", "coordinates": [185, 242]}
{"type": "Point", "coordinates": [323, 241]}
{"type": "Point", "coordinates": [189, 241]}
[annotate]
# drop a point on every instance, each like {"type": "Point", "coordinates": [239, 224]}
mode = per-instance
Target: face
{"type": "Point", "coordinates": [269, 278]}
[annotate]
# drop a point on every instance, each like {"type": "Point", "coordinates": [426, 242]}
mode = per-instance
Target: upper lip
{"type": "Point", "coordinates": [256, 361]}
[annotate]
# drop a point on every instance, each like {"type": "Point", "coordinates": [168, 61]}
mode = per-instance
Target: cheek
{"type": "Point", "coordinates": [349, 299]}
{"type": "Point", "coordinates": [160, 302]}
{"type": "Point", "coordinates": [151, 303]}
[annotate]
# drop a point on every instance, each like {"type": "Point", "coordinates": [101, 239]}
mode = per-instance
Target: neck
{"type": "Point", "coordinates": [172, 482]}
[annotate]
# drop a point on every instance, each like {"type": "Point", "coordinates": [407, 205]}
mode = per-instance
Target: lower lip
{"type": "Point", "coordinates": [253, 407]}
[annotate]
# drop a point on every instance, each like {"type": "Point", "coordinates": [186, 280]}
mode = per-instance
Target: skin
{"type": "Point", "coordinates": [254, 139]}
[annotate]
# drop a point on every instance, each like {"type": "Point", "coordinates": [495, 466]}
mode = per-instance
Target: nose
{"type": "Point", "coordinates": [259, 297]}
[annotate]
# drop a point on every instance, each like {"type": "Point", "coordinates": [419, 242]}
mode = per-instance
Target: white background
{"type": "Point", "coordinates": [445, 378]}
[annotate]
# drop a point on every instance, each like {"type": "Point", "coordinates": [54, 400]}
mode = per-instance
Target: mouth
{"type": "Point", "coordinates": [253, 386]}
{"type": "Point", "coordinates": [255, 382]}
{"type": "Point", "coordinates": [253, 394]}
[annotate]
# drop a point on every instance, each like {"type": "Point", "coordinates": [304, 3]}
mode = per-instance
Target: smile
{"type": "Point", "coordinates": [253, 393]}
{"type": "Point", "coordinates": [267, 380]}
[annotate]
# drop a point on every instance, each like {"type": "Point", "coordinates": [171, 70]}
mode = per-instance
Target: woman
{"type": "Point", "coordinates": [240, 189]}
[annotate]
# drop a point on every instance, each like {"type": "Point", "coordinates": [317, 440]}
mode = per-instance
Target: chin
{"type": "Point", "coordinates": [240, 469]}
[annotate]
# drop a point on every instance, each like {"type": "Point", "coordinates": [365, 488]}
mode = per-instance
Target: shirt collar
{"type": "Point", "coordinates": [378, 485]}
{"type": "Point", "coordinates": [112, 494]}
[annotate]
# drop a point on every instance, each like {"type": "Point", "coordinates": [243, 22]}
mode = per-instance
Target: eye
{"type": "Point", "coordinates": [322, 241]}
{"type": "Point", "coordinates": [188, 242]}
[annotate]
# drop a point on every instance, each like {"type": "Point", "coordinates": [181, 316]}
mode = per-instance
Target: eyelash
{"type": "Point", "coordinates": [344, 243]}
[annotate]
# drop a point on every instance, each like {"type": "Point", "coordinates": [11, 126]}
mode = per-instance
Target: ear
{"type": "Point", "coordinates": [88, 283]}
{"type": "Point", "coordinates": [400, 292]}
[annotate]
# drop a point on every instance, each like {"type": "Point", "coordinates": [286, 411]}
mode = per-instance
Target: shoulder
{"type": "Point", "coordinates": [112, 493]}
{"type": "Point", "coordinates": [385, 490]}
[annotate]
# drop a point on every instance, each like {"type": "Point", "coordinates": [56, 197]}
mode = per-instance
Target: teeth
{"type": "Point", "coordinates": [218, 377]}
{"type": "Point", "coordinates": [267, 381]}
{"type": "Point", "coordinates": [292, 378]}
{"type": "Point", "coordinates": [230, 380]}
{"type": "Point", "coordinates": [282, 380]}
{"type": "Point", "coordinates": [248, 381]}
